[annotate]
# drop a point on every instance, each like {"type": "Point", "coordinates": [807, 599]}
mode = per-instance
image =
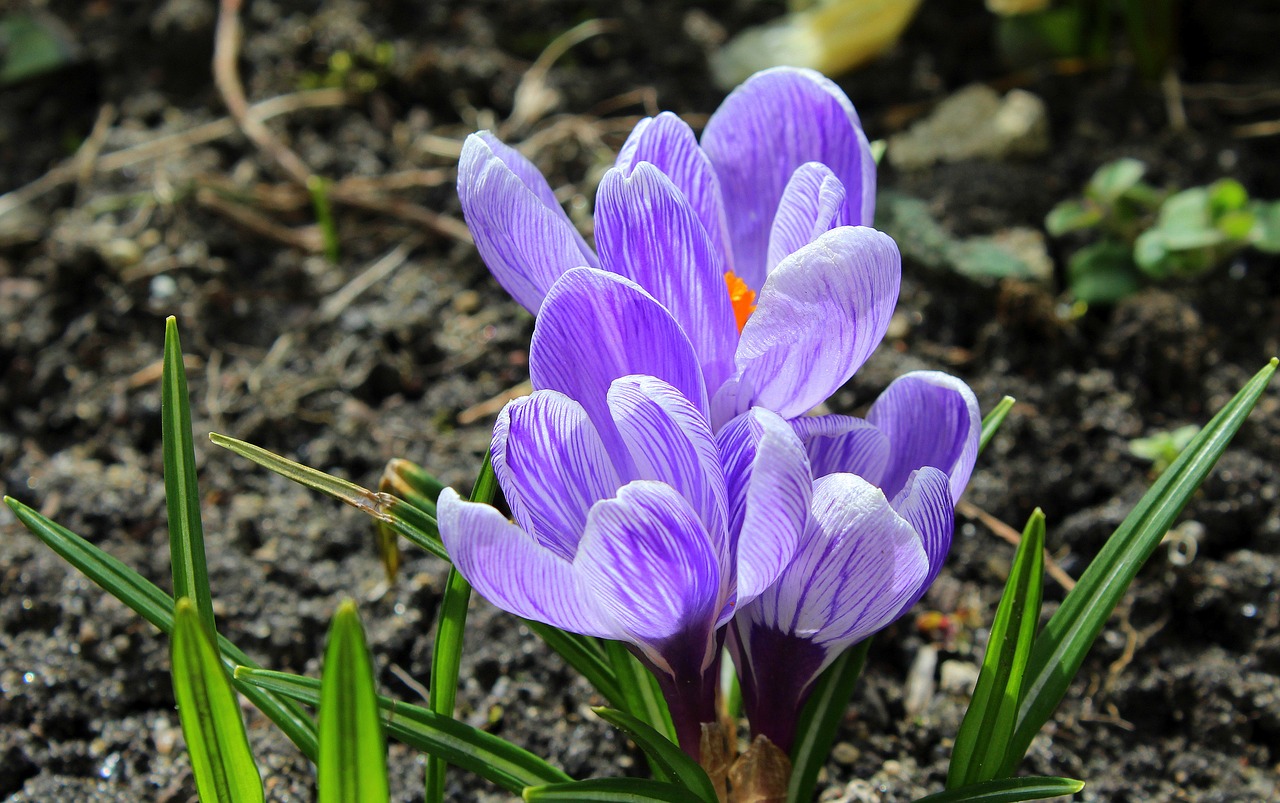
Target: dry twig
{"type": "Point", "coordinates": [972, 511]}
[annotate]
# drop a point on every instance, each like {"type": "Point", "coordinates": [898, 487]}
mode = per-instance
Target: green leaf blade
{"type": "Point", "coordinates": [457, 743]}
{"type": "Point", "coordinates": [446, 657]}
{"type": "Point", "coordinates": [820, 719]}
{"type": "Point", "coordinates": [675, 766]}
{"type": "Point", "coordinates": [148, 601]}
{"type": "Point", "coordinates": [1008, 790]}
{"type": "Point", "coordinates": [1061, 647]}
{"type": "Point", "coordinates": [993, 420]}
{"type": "Point", "coordinates": [640, 691]}
{"type": "Point", "coordinates": [220, 756]}
{"type": "Point", "coordinates": [982, 741]}
{"type": "Point", "coordinates": [181, 493]}
{"type": "Point", "coordinates": [353, 755]}
{"type": "Point", "coordinates": [611, 790]}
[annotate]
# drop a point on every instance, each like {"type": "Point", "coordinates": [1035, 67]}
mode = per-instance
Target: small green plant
{"type": "Point", "coordinates": [1145, 233]}
{"type": "Point", "coordinates": [1162, 448]}
{"type": "Point", "coordinates": [362, 70]}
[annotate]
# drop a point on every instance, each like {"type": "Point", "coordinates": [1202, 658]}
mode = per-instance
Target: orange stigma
{"type": "Point", "coordinates": [742, 298]}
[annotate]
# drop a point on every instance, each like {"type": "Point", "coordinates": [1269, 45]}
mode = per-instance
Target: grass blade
{"type": "Point", "coordinates": [820, 718]}
{"type": "Point", "coordinates": [1008, 790]}
{"type": "Point", "coordinates": [353, 756]}
{"type": "Point", "coordinates": [220, 757]}
{"type": "Point", "coordinates": [664, 756]}
{"type": "Point", "coordinates": [447, 653]}
{"type": "Point", "coordinates": [983, 738]}
{"type": "Point", "coordinates": [181, 494]}
{"type": "Point", "coordinates": [640, 691]}
{"type": "Point", "coordinates": [611, 790]}
{"type": "Point", "coordinates": [991, 423]}
{"type": "Point", "coordinates": [148, 601]}
{"type": "Point", "coordinates": [459, 744]}
{"type": "Point", "coordinates": [1060, 648]}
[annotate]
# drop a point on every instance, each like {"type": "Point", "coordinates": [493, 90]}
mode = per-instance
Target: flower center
{"type": "Point", "coordinates": [742, 298]}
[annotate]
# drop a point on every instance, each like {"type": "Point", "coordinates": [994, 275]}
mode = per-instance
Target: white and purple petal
{"type": "Point", "coordinates": [931, 419]}
{"type": "Point", "coordinates": [520, 230]}
{"type": "Point", "coordinates": [651, 569]}
{"type": "Point", "coordinates": [668, 143]}
{"type": "Point", "coordinates": [843, 444]}
{"type": "Point", "coordinates": [671, 442]}
{"type": "Point", "coordinates": [596, 327]}
{"type": "Point", "coordinates": [552, 467]}
{"type": "Point", "coordinates": [812, 203]}
{"type": "Point", "coordinates": [768, 476]}
{"type": "Point", "coordinates": [647, 231]}
{"type": "Point", "coordinates": [925, 501]}
{"type": "Point", "coordinates": [514, 572]}
{"type": "Point", "coordinates": [857, 565]}
{"type": "Point", "coordinates": [770, 125]}
{"type": "Point", "coordinates": [821, 313]}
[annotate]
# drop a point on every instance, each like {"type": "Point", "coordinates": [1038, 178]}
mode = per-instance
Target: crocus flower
{"type": "Point", "coordinates": [753, 240]}
{"type": "Point", "coordinates": [879, 527]}
{"type": "Point", "coordinates": [622, 522]}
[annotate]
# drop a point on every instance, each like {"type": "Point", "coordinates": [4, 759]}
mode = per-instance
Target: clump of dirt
{"type": "Point", "coordinates": [345, 364]}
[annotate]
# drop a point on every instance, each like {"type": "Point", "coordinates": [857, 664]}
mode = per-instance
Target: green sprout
{"type": "Point", "coordinates": [1149, 234]}
{"type": "Point", "coordinates": [1162, 448]}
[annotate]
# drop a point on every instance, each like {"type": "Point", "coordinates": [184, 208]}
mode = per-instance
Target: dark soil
{"type": "Point", "coordinates": [1178, 701]}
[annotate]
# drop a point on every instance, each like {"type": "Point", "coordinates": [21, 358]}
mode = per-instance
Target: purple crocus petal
{"type": "Point", "coordinates": [856, 566]}
{"type": "Point", "coordinates": [651, 569]}
{"type": "Point", "coordinates": [931, 419]}
{"type": "Point", "coordinates": [671, 442]}
{"type": "Point", "coordinates": [647, 231]}
{"type": "Point", "coordinates": [521, 231]}
{"type": "Point", "coordinates": [812, 203]}
{"type": "Point", "coordinates": [843, 444]}
{"type": "Point", "coordinates": [770, 125]}
{"type": "Point", "coordinates": [596, 327]}
{"type": "Point", "coordinates": [552, 467]}
{"type": "Point", "coordinates": [511, 570]}
{"type": "Point", "coordinates": [768, 477]}
{"type": "Point", "coordinates": [821, 313]}
{"type": "Point", "coordinates": [926, 503]}
{"type": "Point", "coordinates": [669, 144]}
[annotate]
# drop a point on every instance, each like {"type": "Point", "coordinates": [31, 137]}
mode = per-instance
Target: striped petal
{"type": "Point", "coordinates": [647, 231]}
{"type": "Point", "coordinates": [770, 125]}
{"type": "Point", "coordinates": [926, 503]}
{"type": "Point", "coordinates": [768, 477]}
{"type": "Point", "coordinates": [844, 444]}
{"type": "Point", "coordinates": [931, 419]}
{"type": "Point", "coordinates": [515, 573]}
{"type": "Point", "coordinates": [820, 315]}
{"type": "Point", "coordinates": [812, 203]}
{"type": "Point", "coordinates": [668, 143]}
{"type": "Point", "coordinates": [596, 327]}
{"type": "Point", "coordinates": [651, 568]}
{"type": "Point", "coordinates": [552, 467]}
{"type": "Point", "coordinates": [520, 230]}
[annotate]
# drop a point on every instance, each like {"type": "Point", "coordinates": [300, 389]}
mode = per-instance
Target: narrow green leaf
{"type": "Point", "coordinates": [991, 423]}
{"type": "Point", "coordinates": [611, 790]}
{"type": "Point", "coordinates": [983, 738]}
{"type": "Point", "coordinates": [353, 756]}
{"type": "Point", "coordinates": [586, 655]}
{"type": "Point", "coordinates": [675, 766]}
{"type": "Point", "coordinates": [220, 757]}
{"type": "Point", "coordinates": [148, 601]}
{"type": "Point", "coordinates": [410, 482]}
{"type": "Point", "coordinates": [1008, 790]}
{"type": "Point", "coordinates": [640, 689]}
{"type": "Point", "coordinates": [446, 657]}
{"type": "Point", "coordinates": [181, 494]}
{"type": "Point", "coordinates": [417, 526]}
{"type": "Point", "coordinates": [459, 744]}
{"type": "Point", "coordinates": [1061, 646]}
{"type": "Point", "coordinates": [820, 718]}
{"type": "Point", "coordinates": [343, 490]}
